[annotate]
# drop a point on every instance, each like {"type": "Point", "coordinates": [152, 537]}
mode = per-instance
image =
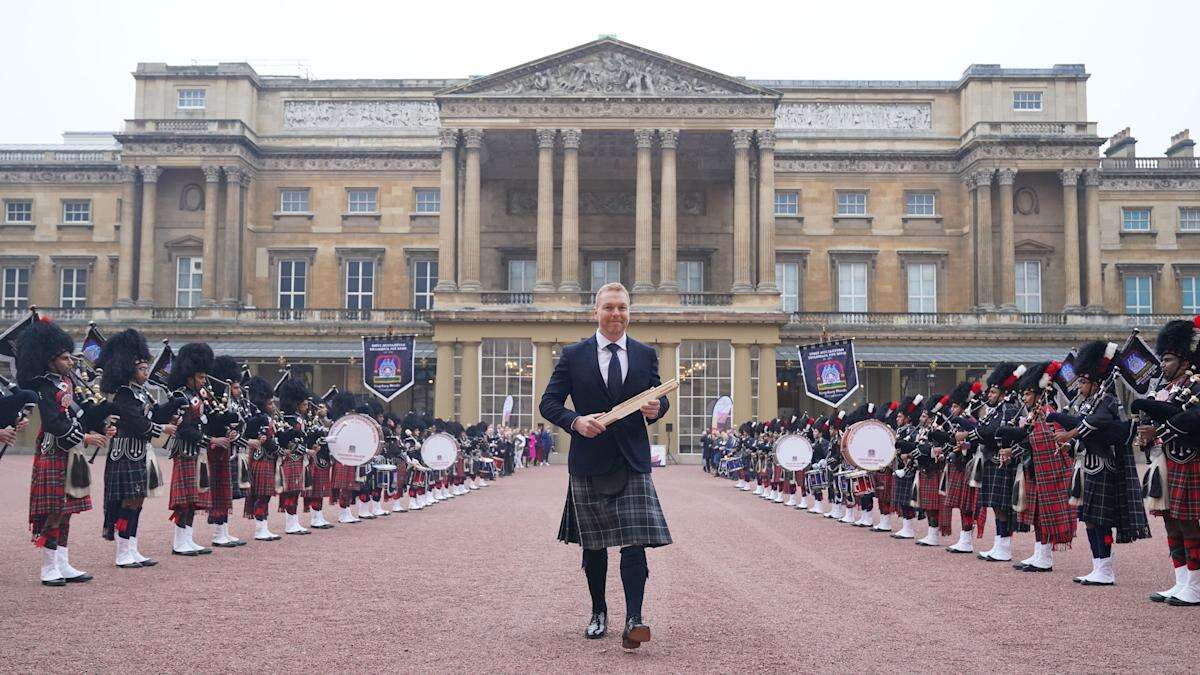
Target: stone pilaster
{"type": "Point", "coordinates": [469, 403]}
{"type": "Point", "coordinates": [983, 233]}
{"type": "Point", "coordinates": [469, 274]}
{"type": "Point", "coordinates": [570, 211]}
{"type": "Point", "coordinates": [212, 185]}
{"type": "Point", "coordinates": [443, 386]}
{"type": "Point", "coordinates": [766, 216]}
{"type": "Point", "coordinates": [146, 254]}
{"type": "Point", "coordinates": [668, 367]}
{"type": "Point", "coordinates": [1091, 199]}
{"type": "Point", "coordinates": [643, 215]}
{"type": "Point", "coordinates": [128, 256]}
{"type": "Point", "coordinates": [741, 213]}
{"type": "Point", "coordinates": [236, 180]}
{"type": "Point", "coordinates": [668, 245]}
{"type": "Point", "coordinates": [447, 278]}
{"type": "Point", "coordinates": [768, 392]}
{"type": "Point", "coordinates": [742, 408]}
{"type": "Point", "coordinates": [1008, 243]}
{"type": "Point", "coordinates": [543, 365]}
{"type": "Point", "coordinates": [545, 211]}
{"type": "Point", "coordinates": [1070, 182]}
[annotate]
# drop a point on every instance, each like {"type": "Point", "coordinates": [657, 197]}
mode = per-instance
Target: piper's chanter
{"type": "Point", "coordinates": [354, 439]}
{"type": "Point", "coordinates": [793, 452]}
{"type": "Point", "coordinates": [439, 451]}
{"type": "Point", "coordinates": [869, 445]}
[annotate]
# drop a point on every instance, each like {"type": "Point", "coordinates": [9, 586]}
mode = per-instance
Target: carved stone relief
{"type": "Point", "coordinates": [191, 198]}
{"type": "Point", "coordinates": [607, 73]}
{"type": "Point", "coordinates": [854, 165]}
{"type": "Point", "coordinates": [380, 114]}
{"type": "Point", "coordinates": [1150, 183]}
{"type": "Point", "coordinates": [24, 176]}
{"type": "Point", "coordinates": [352, 163]}
{"type": "Point", "coordinates": [524, 203]}
{"type": "Point", "coordinates": [606, 109]}
{"type": "Point", "coordinates": [1025, 202]}
{"type": "Point", "coordinates": [902, 116]}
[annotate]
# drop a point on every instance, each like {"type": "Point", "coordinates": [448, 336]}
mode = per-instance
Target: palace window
{"type": "Point", "coordinates": [362, 201]}
{"type": "Point", "coordinates": [852, 203]}
{"type": "Point", "coordinates": [293, 284]}
{"type": "Point", "coordinates": [360, 284]}
{"type": "Point", "coordinates": [787, 203]}
{"type": "Point", "coordinates": [16, 288]}
{"type": "Point", "coordinates": [1027, 100]}
{"type": "Point", "coordinates": [506, 369]}
{"type": "Point", "coordinates": [1029, 286]}
{"type": "Point", "coordinates": [425, 278]}
{"type": "Point", "coordinates": [922, 287]}
{"type": "Point", "coordinates": [189, 277]}
{"type": "Point", "coordinates": [293, 201]}
{"type": "Point", "coordinates": [691, 280]}
{"type": "Point", "coordinates": [1139, 294]}
{"type": "Point", "coordinates": [852, 286]}
{"type": "Point", "coordinates": [429, 200]}
{"type": "Point", "coordinates": [77, 211]}
{"type": "Point", "coordinates": [787, 276]}
{"type": "Point", "coordinates": [1135, 219]}
{"type": "Point", "coordinates": [1189, 288]}
{"type": "Point", "coordinates": [605, 272]}
{"type": "Point", "coordinates": [73, 287]}
{"type": "Point", "coordinates": [18, 211]}
{"type": "Point", "coordinates": [521, 275]}
{"type": "Point", "coordinates": [920, 204]}
{"type": "Point", "coordinates": [191, 99]}
{"type": "Point", "coordinates": [1189, 219]}
{"type": "Point", "coordinates": [709, 365]}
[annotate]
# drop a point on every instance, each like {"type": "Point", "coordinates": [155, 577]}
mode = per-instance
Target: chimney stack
{"type": "Point", "coordinates": [1181, 145]}
{"type": "Point", "coordinates": [1122, 144]}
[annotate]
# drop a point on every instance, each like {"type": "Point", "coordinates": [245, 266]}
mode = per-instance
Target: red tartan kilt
{"type": "Point", "coordinates": [341, 477]}
{"type": "Point", "coordinates": [1048, 499]}
{"type": "Point", "coordinates": [293, 474]}
{"type": "Point", "coordinates": [47, 488]}
{"type": "Point", "coordinates": [320, 482]}
{"type": "Point", "coordinates": [801, 484]}
{"type": "Point", "coordinates": [959, 493]}
{"type": "Point", "coordinates": [882, 482]}
{"type": "Point", "coordinates": [262, 477]}
{"type": "Point", "coordinates": [776, 474]}
{"type": "Point", "coordinates": [927, 487]}
{"type": "Point", "coordinates": [221, 493]}
{"type": "Point", "coordinates": [1183, 484]}
{"type": "Point", "coordinates": [185, 492]}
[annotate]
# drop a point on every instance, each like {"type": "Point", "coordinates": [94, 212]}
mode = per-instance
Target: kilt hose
{"type": "Point", "coordinates": [221, 492]}
{"type": "Point", "coordinates": [47, 491]}
{"type": "Point", "coordinates": [1183, 488]}
{"type": "Point", "coordinates": [341, 477]}
{"type": "Point", "coordinates": [185, 487]}
{"type": "Point", "coordinates": [959, 495]}
{"type": "Point", "coordinates": [632, 518]}
{"type": "Point", "coordinates": [882, 481]}
{"type": "Point", "coordinates": [1049, 497]}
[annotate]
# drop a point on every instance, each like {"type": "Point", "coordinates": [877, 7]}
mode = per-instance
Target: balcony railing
{"type": "Point", "coordinates": [222, 314]}
{"type": "Point", "coordinates": [706, 299]}
{"type": "Point", "coordinates": [58, 156]}
{"type": "Point", "coordinates": [1150, 164]}
{"type": "Point", "coordinates": [1038, 129]}
{"type": "Point", "coordinates": [506, 298]}
{"type": "Point", "coordinates": [972, 319]}
{"type": "Point", "coordinates": [188, 127]}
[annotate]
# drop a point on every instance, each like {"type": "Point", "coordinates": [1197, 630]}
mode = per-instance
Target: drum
{"type": "Point", "coordinates": [815, 480]}
{"type": "Point", "coordinates": [869, 445]}
{"type": "Point", "coordinates": [793, 452]}
{"type": "Point", "coordinates": [858, 482]}
{"type": "Point", "coordinates": [354, 439]}
{"type": "Point", "coordinates": [439, 451]}
{"type": "Point", "coordinates": [383, 476]}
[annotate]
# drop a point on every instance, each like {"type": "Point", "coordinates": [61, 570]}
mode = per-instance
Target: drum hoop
{"type": "Point", "coordinates": [853, 429]}
{"type": "Point", "coordinates": [437, 437]}
{"type": "Point", "coordinates": [353, 420]}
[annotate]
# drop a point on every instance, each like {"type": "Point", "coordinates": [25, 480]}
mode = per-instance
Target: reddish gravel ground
{"type": "Point", "coordinates": [479, 584]}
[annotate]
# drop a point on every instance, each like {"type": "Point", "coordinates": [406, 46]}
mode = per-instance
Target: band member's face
{"type": "Point", "coordinates": [1029, 397]}
{"type": "Point", "coordinates": [235, 390]}
{"type": "Point", "coordinates": [141, 373]}
{"type": "Point", "coordinates": [197, 381]}
{"type": "Point", "coordinates": [270, 408]}
{"type": "Point", "coordinates": [1086, 386]}
{"type": "Point", "coordinates": [956, 409]}
{"type": "Point", "coordinates": [62, 364]}
{"type": "Point", "coordinates": [322, 411]}
{"type": "Point", "coordinates": [1172, 366]}
{"type": "Point", "coordinates": [901, 418]}
{"type": "Point", "coordinates": [612, 313]}
{"type": "Point", "coordinates": [926, 420]}
{"type": "Point", "coordinates": [994, 395]}
{"type": "Point", "coordinates": [302, 408]}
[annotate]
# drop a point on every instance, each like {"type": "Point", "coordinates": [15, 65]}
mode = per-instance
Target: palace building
{"type": "Point", "coordinates": [944, 224]}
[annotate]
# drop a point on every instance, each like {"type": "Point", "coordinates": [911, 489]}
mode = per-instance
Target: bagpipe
{"type": "Point", "coordinates": [18, 409]}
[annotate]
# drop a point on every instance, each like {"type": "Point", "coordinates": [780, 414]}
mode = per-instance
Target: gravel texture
{"type": "Point", "coordinates": [480, 584]}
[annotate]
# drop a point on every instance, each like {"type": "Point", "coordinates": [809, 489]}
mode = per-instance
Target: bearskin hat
{"type": "Point", "coordinates": [938, 404]}
{"type": "Point", "coordinates": [911, 405]}
{"type": "Point", "coordinates": [192, 358]}
{"type": "Point", "coordinates": [227, 369]}
{"type": "Point", "coordinates": [41, 343]}
{"type": "Point", "coordinates": [342, 404]}
{"type": "Point", "coordinates": [863, 412]}
{"type": "Point", "coordinates": [1038, 376]}
{"type": "Point", "coordinates": [1095, 359]}
{"type": "Point", "coordinates": [1005, 375]}
{"type": "Point", "coordinates": [119, 358]}
{"type": "Point", "coordinates": [291, 394]}
{"type": "Point", "coordinates": [964, 392]}
{"type": "Point", "coordinates": [1181, 338]}
{"type": "Point", "coordinates": [259, 391]}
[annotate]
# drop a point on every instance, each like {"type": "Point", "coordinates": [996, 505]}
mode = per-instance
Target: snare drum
{"type": "Point", "coordinates": [869, 445]}
{"type": "Point", "coordinates": [815, 480]}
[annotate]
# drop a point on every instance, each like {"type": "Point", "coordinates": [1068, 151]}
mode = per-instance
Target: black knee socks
{"type": "Point", "coordinates": [595, 568]}
{"type": "Point", "coordinates": [633, 577]}
{"type": "Point", "coordinates": [1099, 540]}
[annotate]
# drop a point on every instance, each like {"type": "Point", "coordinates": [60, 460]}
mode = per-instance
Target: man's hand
{"type": "Point", "coordinates": [220, 442]}
{"type": "Point", "coordinates": [587, 426]}
{"type": "Point", "coordinates": [22, 424]}
{"type": "Point", "coordinates": [960, 436]}
{"type": "Point", "coordinates": [1066, 436]}
{"type": "Point", "coordinates": [169, 429]}
{"type": "Point", "coordinates": [8, 436]}
{"type": "Point", "coordinates": [1147, 434]}
{"type": "Point", "coordinates": [98, 440]}
{"type": "Point", "coordinates": [650, 409]}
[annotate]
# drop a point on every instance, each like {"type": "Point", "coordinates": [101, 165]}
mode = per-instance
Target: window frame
{"type": "Point", "coordinates": [933, 204]}
{"type": "Point", "coordinates": [15, 300]}
{"type": "Point", "coordinates": [791, 199]}
{"type": "Point", "coordinates": [1019, 105]}
{"type": "Point", "coordinates": [351, 209]}
{"type": "Point", "coordinates": [681, 277]}
{"type": "Point", "coordinates": [1125, 220]}
{"type": "Point", "coordinates": [196, 262]}
{"type": "Point", "coordinates": [291, 293]}
{"type": "Point", "coordinates": [182, 94]}
{"type": "Point", "coordinates": [349, 277]}
{"type": "Point", "coordinates": [921, 297]}
{"type": "Point", "coordinates": [307, 192]}
{"type": "Point", "coordinates": [1192, 280]}
{"type": "Point", "coordinates": [781, 281]}
{"type": "Point", "coordinates": [838, 204]}
{"type": "Point", "coordinates": [607, 262]}
{"type": "Point", "coordinates": [1194, 221]}
{"type": "Point", "coordinates": [9, 203]}
{"type": "Point", "coordinates": [420, 207]}
{"type": "Point", "coordinates": [1020, 275]}
{"type": "Point", "coordinates": [529, 269]}
{"type": "Point", "coordinates": [76, 301]}
{"type": "Point", "coordinates": [74, 219]}
{"type": "Point", "coordinates": [1134, 308]}
{"type": "Point", "coordinates": [431, 281]}
{"type": "Point", "coordinates": [843, 295]}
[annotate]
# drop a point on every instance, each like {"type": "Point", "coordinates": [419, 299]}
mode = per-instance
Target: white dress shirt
{"type": "Point", "coordinates": [604, 356]}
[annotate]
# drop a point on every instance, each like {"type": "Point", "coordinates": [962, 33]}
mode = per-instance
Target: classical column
{"type": "Point", "coordinates": [570, 211]}
{"type": "Point", "coordinates": [643, 215]}
{"type": "Point", "coordinates": [1008, 243]}
{"type": "Point", "coordinates": [469, 403]}
{"type": "Point", "coordinates": [983, 232]}
{"type": "Point", "coordinates": [742, 408]}
{"type": "Point", "coordinates": [235, 180]}
{"type": "Point", "coordinates": [543, 365]}
{"type": "Point", "coordinates": [1070, 182]}
{"type": "Point", "coordinates": [443, 385]}
{"type": "Point", "coordinates": [741, 213]}
{"type": "Point", "coordinates": [668, 245]}
{"type": "Point", "coordinates": [1091, 198]}
{"type": "Point", "coordinates": [212, 185]}
{"type": "Point", "coordinates": [766, 220]}
{"type": "Point", "coordinates": [768, 392]}
{"type": "Point", "coordinates": [146, 253]}
{"type": "Point", "coordinates": [469, 274]}
{"type": "Point", "coordinates": [447, 281]}
{"type": "Point", "coordinates": [668, 367]}
{"type": "Point", "coordinates": [128, 223]}
{"type": "Point", "coordinates": [545, 210]}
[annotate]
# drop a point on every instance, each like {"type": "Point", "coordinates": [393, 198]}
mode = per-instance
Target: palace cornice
{"type": "Point", "coordinates": [1149, 184]}
{"type": "Point", "coordinates": [61, 174]}
{"type": "Point", "coordinates": [564, 107]}
{"type": "Point", "coordinates": [864, 162]}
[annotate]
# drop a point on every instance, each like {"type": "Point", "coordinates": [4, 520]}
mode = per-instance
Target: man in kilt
{"type": "Point", "coordinates": [1105, 483]}
{"type": "Point", "coordinates": [956, 488]}
{"type": "Point", "coordinates": [882, 480]}
{"type": "Point", "coordinates": [223, 458]}
{"type": "Point", "coordinates": [317, 486]}
{"type": "Point", "coordinates": [1169, 431]}
{"type": "Point", "coordinates": [611, 499]}
{"type": "Point", "coordinates": [905, 472]}
{"type": "Point", "coordinates": [125, 363]}
{"type": "Point", "coordinates": [293, 403]}
{"type": "Point", "coordinates": [264, 447]}
{"type": "Point", "coordinates": [44, 366]}
{"type": "Point", "coordinates": [190, 486]}
{"type": "Point", "coordinates": [929, 466]}
{"type": "Point", "coordinates": [342, 477]}
{"type": "Point", "coordinates": [995, 456]}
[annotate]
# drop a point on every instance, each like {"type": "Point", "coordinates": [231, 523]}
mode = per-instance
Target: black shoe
{"type": "Point", "coordinates": [131, 566]}
{"type": "Point", "coordinates": [81, 579]}
{"type": "Point", "coordinates": [1173, 601]}
{"type": "Point", "coordinates": [597, 627]}
{"type": "Point", "coordinates": [189, 553]}
{"type": "Point", "coordinates": [225, 545]}
{"type": "Point", "coordinates": [55, 582]}
{"type": "Point", "coordinates": [204, 550]}
{"type": "Point", "coordinates": [149, 562]}
{"type": "Point", "coordinates": [635, 633]}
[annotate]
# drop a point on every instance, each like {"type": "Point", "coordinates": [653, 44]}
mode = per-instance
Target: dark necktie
{"type": "Point", "coordinates": [614, 372]}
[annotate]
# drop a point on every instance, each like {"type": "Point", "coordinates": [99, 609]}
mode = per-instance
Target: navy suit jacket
{"type": "Point", "coordinates": [577, 375]}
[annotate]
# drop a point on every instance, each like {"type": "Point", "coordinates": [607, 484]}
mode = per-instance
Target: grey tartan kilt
{"type": "Point", "coordinates": [632, 518]}
{"type": "Point", "coordinates": [124, 478]}
{"type": "Point", "coordinates": [1101, 498]}
{"type": "Point", "coordinates": [997, 485]}
{"type": "Point", "coordinates": [902, 489]}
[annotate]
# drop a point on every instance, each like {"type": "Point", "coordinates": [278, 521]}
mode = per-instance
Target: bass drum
{"type": "Point", "coordinates": [354, 439]}
{"type": "Point", "coordinates": [869, 445]}
{"type": "Point", "coordinates": [439, 451]}
{"type": "Point", "coordinates": [793, 452]}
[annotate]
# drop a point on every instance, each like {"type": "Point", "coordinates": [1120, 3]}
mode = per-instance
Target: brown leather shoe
{"type": "Point", "coordinates": [635, 633]}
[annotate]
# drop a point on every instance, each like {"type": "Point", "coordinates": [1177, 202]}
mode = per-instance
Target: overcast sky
{"type": "Point", "coordinates": [65, 66]}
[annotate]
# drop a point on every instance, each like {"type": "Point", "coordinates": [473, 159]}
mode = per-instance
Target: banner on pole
{"type": "Point", "coordinates": [388, 364]}
{"type": "Point", "coordinates": [830, 371]}
{"type": "Point", "coordinates": [507, 410]}
{"type": "Point", "coordinates": [1137, 364]}
{"type": "Point", "coordinates": [722, 413]}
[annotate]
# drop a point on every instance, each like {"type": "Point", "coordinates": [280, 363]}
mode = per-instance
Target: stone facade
{"type": "Point", "coordinates": [525, 187]}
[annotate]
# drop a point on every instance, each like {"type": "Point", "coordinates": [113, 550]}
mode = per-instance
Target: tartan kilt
{"type": "Point", "coordinates": [47, 489]}
{"type": "Point", "coordinates": [882, 481]}
{"type": "Point", "coordinates": [632, 518]}
{"type": "Point", "coordinates": [320, 482]}
{"type": "Point", "coordinates": [1051, 493]}
{"type": "Point", "coordinates": [930, 498]}
{"type": "Point", "coordinates": [124, 478]}
{"type": "Point", "coordinates": [293, 474]}
{"type": "Point", "coordinates": [262, 477]}
{"type": "Point", "coordinates": [221, 490]}
{"type": "Point", "coordinates": [235, 490]}
{"type": "Point", "coordinates": [902, 490]}
{"type": "Point", "coordinates": [997, 486]}
{"type": "Point", "coordinates": [1183, 486]}
{"type": "Point", "coordinates": [341, 477]}
{"type": "Point", "coordinates": [1101, 498]}
{"type": "Point", "coordinates": [185, 490]}
{"type": "Point", "coordinates": [959, 493]}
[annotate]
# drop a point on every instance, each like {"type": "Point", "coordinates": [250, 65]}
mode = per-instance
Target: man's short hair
{"type": "Point", "coordinates": [611, 286]}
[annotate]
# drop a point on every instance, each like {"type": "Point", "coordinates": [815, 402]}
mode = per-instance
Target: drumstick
{"type": "Point", "coordinates": [633, 403]}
